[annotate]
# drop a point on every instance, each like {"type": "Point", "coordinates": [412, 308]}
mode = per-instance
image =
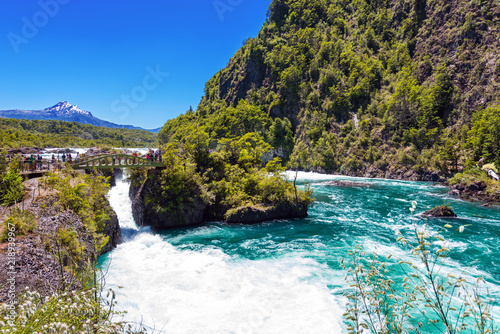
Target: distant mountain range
{"type": "Point", "coordinates": [65, 111]}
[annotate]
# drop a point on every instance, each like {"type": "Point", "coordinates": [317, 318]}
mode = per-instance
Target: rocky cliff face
{"type": "Point", "coordinates": [39, 255]}
{"type": "Point", "coordinates": [369, 84]}
{"type": "Point", "coordinates": [113, 231]}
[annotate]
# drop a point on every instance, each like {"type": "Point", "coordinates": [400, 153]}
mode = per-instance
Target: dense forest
{"type": "Point", "coordinates": [385, 88]}
{"type": "Point", "coordinates": [34, 133]}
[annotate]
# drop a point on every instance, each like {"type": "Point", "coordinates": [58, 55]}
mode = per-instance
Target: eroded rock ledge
{"type": "Point", "coordinates": [252, 214]}
{"type": "Point", "coordinates": [475, 191]}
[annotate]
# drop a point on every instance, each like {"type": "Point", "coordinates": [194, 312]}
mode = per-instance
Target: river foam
{"type": "Point", "coordinates": [179, 290]}
{"type": "Point", "coordinates": [285, 276]}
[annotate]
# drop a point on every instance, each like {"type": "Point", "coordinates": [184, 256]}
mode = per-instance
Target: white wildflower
{"type": "Point", "coordinates": [461, 229]}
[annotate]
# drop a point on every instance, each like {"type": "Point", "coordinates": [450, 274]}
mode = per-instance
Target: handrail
{"type": "Point", "coordinates": [88, 162]}
{"type": "Point", "coordinates": [115, 161]}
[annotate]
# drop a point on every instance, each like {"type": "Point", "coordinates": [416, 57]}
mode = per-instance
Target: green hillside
{"type": "Point", "coordinates": [16, 133]}
{"type": "Point", "coordinates": [363, 87]}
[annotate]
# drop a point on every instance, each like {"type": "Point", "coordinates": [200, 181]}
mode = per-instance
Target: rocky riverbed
{"type": "Point", "coordinates": [475, 191]}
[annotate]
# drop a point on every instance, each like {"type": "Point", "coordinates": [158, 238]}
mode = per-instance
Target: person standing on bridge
{"type": "Point", "coordinates": [64, 157]}
{"type": "Point", "coordinates": [31, 161]}
{"type": "Point", "coordinates": [53, 159]}
{"type": "Point", "coordinates": [39, 162]}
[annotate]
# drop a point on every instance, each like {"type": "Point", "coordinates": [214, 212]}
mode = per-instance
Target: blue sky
{"type": "Point", "coordinates": [138, 62]}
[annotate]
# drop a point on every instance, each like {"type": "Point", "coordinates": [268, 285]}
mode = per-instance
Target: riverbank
{"type": "Point", "coordinates": [58, 250]}
{"type": "Point", "coordinates": [477, 187]}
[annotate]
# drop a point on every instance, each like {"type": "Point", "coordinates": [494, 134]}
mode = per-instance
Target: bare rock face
{"type": "Point", "coordinates": [475, 191]}
{"type": "Point", "coordinates": [37, 265]}
{"type": "Point", "coordinates": [113, 231]}
{"type": "Point", "coordinates": [258, 214]}
{"type": "Point", "coordinates": [440, 211]}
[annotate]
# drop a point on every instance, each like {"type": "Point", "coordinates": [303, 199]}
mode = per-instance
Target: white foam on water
{"type": "Point", "coordinates": [207, 291]}
{"type": "Point", "coordinates": [122, 204]}
{"type": "Point", "coordinates": [313, 177]}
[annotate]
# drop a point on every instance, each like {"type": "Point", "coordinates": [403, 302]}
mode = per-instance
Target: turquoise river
{"type": "Point", "coordinates": [285, 276]}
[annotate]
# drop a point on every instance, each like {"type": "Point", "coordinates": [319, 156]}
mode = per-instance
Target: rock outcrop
{"type": "Point", "coordinates": [256, 214]}
{"type": "Point", "coordinates": [159, 217]}
{"type": "Point", "coordinates": [164, 215]}
{"type": "Point", "coordinates": [113, 231]}
{"type": "Point", "coordinates": [475, 191]}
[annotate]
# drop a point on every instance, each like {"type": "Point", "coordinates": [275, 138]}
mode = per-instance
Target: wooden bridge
{"type": "Point", "coordinates": [114, 161]}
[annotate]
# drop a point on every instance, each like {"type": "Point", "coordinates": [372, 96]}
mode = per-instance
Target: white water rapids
{"type": "Point", "coordinates": [208, 289]}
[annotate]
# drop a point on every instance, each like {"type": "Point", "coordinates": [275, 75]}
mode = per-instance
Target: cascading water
{"type": "Point", "coordinates": [283, 277]}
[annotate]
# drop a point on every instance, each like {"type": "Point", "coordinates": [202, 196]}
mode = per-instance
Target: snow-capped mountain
{"type": "Point", "coordinates": [65, 111]}
{"type": "Point", "coordinates": [65, 108]}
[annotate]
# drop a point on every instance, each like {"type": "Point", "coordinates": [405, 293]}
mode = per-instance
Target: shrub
{"type": "Point", "coordinates": [19, 223]}
{"type": "Point", "coordinates": [11, 182]}
{"type": "Point", "coordinates": [68, 312]}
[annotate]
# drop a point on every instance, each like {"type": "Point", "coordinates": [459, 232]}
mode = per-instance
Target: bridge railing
{"type": "Point", "coordinates": [86, 162]}
{"type": "Point", "coordinates": [115, 161]}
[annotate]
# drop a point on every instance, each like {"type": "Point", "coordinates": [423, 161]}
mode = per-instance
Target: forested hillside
{"type": "Point", "coordinates": [394, 88]}
{"type": "Point", "coordinates": [16, 133]}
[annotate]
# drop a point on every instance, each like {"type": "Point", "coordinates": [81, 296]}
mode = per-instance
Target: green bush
{"type": "Point", "coordinates": [19, 223]}
{"type": "Point", "coordinates": [85, 195]}
{"type": "Point", "coordinates": [11, 182]}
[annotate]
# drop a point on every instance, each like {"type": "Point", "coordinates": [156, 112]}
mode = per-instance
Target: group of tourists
{"type": "Point", "coordinates": [32, 162]}
{"type": "Point", "coordinates": [153, 155]}
{"type": "Point", "coordinates": [68, 157]}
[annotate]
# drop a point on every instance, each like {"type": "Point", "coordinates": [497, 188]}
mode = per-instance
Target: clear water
{"type": "Point", "coordinates": [284, 276]}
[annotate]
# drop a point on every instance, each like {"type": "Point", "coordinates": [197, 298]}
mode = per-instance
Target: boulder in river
{"type": "Point", "coordinates": [440, 211]}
